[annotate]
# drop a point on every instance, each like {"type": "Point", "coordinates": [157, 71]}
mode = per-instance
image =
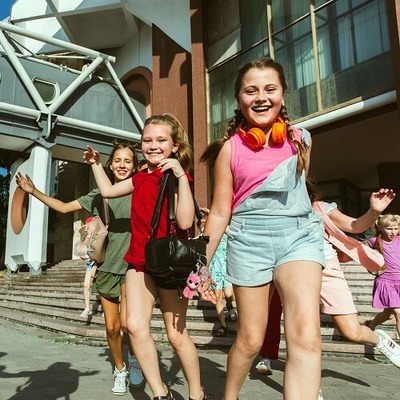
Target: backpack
{"type": "Point", "coordinates": [93, 240]}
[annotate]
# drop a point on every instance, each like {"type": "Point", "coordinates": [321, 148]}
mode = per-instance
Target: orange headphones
{"type": "Point", "coordinates": [255, 137]}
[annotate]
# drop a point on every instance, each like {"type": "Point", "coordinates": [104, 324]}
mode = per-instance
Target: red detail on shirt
{"type": "Point", "coordinates": [145, 191]}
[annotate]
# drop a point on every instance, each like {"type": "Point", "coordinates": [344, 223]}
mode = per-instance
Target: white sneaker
{"type": "Point", "coordinates": [136, 377]}
{"type": "Point", "coordinates": [320, 395]}
{"type": "Point", "coordinates": [86, 313]}
{"type": "Point", "coordinates": [388, 347]}
{"type": "Point", "coordinates": [264, 367]}
{"type": "Point", "coordinates": [120, 381]}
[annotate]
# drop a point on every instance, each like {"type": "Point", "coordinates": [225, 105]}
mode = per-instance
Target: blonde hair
{"type": "Point", "coordinates": [179, 136]}
{"type": "Point", "coordinates": [211, 152]}
{"type": "Point", "coordinates": [382, 222]}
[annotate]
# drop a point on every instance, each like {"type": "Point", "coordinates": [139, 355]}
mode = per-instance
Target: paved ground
{"type": "Point", "coordinates": [35, 366]}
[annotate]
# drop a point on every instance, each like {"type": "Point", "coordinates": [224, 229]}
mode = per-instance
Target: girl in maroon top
{"type": "Point", "coordinates": [165, 147]}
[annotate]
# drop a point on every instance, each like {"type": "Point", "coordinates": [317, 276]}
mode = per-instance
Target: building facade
{"type": "Point", "coordinates": [341, 59]}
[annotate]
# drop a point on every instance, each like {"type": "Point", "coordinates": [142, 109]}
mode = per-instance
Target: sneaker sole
{"type": "Point", "coordinates": [137, 384]}
{"type": "Point", "coordinates": [263, 371]}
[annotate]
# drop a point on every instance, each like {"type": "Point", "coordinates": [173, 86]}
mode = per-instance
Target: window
{"type": "Point", "coordinates": [48, 91]}
{"type": "Point", "coordinates": [353, 50]}
{"type": "Point", "coordinates": [332, 52]}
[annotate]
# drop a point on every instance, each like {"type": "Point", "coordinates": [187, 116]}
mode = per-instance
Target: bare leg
{"type": "Point", "coordinates": [87, 284]}
{"type": "Point", "coordinates": [397, 316]}
{"type": "Point", "coordinates": [174, 314]}
{"type": "Point", "coordinates": [228, 293]}
{"type": "Point", "coordinates": [122, 317]}
{"type": "Point", "coordinates": [219, 307]}
{"type": "Point", "coordinates": [141, 293]}
{"type": "Point", "coordinates": [113, 328]}
{"type": "Point", "coordinates": [353, 331]}
{"type": "Point", "coordinates": [299, 286]}
{"type": "Point", "coordinates": [381, 318]}
{"type": "Point", "coordinates": [252, 305]}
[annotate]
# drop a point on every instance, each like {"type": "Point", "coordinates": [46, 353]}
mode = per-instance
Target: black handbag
{"type": "Point", "coordinates": [170, 259]}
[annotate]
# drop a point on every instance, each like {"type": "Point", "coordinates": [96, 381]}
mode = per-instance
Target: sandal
{"type": "Point", "coordinates": [220, 332]}
{"type": "Point", "coordinates": [232, 315]}
{"type": "Point", "coordinates": [168, 396]}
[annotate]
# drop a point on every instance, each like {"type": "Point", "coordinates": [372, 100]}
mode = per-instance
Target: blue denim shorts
{"type": "Point", "coordinates": [256, 247]}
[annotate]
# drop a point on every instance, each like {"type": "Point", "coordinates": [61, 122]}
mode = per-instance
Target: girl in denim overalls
{"type": "Point", "coordinates": [274, 238]}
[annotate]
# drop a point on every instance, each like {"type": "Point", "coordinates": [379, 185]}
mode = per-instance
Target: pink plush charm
{"type": "Point", "coordinates": [192, 283]}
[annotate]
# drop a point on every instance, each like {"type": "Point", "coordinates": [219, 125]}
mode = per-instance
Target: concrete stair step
{"type": "Point", "coordinates": [54, 301]}
{"type": "Point", "coordinates": [70, 294]}
{"type": "Point", "coordinates": [41, 284]}
{"type": "Point", "coordinates": [48, 301]}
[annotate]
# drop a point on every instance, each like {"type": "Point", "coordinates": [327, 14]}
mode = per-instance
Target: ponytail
{"type": "Point", "coordinates": [300, 147]}
{"type": "Point", "coordinates": [211, 152]}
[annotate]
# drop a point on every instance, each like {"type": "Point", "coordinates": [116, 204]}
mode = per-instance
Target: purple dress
{"type": "Point", "coordinates": [386, 291]}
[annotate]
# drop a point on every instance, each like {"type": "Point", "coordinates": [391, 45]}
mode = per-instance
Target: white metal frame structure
{"type": "Point", "coordinates": [49, 112]}
{"type": "Point", "coordinates": [26, 240]}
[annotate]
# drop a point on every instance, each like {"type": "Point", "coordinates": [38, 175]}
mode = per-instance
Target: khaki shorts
{"type": "Point", "coordinates": [108, 284]}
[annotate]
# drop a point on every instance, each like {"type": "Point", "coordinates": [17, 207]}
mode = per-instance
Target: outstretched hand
{"type": "Point", "coordinates": [381, 199]}
{"type": "Point", "coordinates": [24, 182]}
{"type": "Point", "coordinates": [91, 156]}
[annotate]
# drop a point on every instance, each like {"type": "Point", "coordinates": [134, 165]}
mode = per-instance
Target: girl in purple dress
{"type": "Point", "coordinates": [386, 291]}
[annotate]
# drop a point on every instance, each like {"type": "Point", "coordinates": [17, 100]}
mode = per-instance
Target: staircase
{"type": "Point", "coordinates": [54, 301]}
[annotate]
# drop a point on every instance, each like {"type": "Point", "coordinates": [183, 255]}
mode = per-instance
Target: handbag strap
{"type": "Point", "coordinates": [171, 206]}
{"type": "Point", "coordinates": [169, 178]}
{"type": "Point", "coordinates": [157, 210]}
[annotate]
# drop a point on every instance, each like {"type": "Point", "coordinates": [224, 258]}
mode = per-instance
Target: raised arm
{"type": "Point", "coordinates": [378, 202]}
{"type": "Point", "coordinates": [107, 189]}
{"type": "Point", "coordinates": [26, 184]}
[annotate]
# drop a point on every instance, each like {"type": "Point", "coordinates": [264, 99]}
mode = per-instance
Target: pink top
{"type": "Point", "coordinates": [243, 159]}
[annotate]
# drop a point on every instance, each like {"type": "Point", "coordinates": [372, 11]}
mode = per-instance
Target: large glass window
{"type": "Point", "coordinates": [222, 96]}
{"type": "Point", "coordinates": [333, 52]}
{"type": "Point", "coordinates": [353, 50]}
{"type": "Point", "coordinates": [294, 50]}
{"type": "Point", "coordinates": [286, 12]}
{"type": "Point", "coordinates": [253, 16]}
